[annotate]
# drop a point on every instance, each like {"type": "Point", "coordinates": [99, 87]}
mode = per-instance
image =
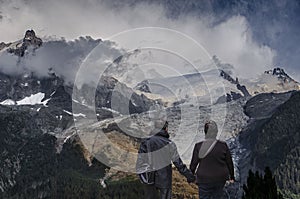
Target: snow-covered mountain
{"type": "Point", "coordinates": [36, 113]}
{"type": "Point", "coordinates": [275, 80]}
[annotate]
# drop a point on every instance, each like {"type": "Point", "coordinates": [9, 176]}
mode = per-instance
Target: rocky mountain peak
{"type": "Point", "coordinates": [4, 45]}
{"type": "Point", "coordinates": [280, 74]}
{"type": "Point", "coordinates": [143, 86]}
{"type": "Point", "coordinates": [30, 40]}
{"type": "Point", "coordinates": [227, 77]}
{"type": "Point", "coordinates": [236, 82]}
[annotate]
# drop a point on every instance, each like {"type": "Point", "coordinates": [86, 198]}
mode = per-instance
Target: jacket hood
{"type": "Point", "coordinates": [212, 132]}
{"type": "Point", "coordinates": [163, 133]}
{"type": "Point", "coordinates": [210, 139]}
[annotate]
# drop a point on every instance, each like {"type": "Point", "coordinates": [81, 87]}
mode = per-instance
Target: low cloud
{"type": "Point", "coordinates": [230, 40]}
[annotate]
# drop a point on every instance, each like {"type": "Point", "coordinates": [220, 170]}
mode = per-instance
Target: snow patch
{"type": "Point", "coordinates": [75, 114]}
{"type": "Point", "coordinates": [69, 136]}
{"type": "Point", "coordinates": [52, 93]}
{"type": "Point", "coordinates": [33, 99]}
{"type": "Point", "coordinates": [68, 112]}
{"type": "Point", "coordinates": [75, 101]}
{"type": "Point", "coordinates": [79, 115]}
{"type": "Point", "coordinates": [111, 110]}
{"type": "Point", "coordinates": [8, 102]}
{"type": "Point", "coordinates": [25, 84]}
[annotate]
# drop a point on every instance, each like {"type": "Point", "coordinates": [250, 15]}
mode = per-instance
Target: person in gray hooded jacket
{"type": "Point", "coordinates": [162, 153]}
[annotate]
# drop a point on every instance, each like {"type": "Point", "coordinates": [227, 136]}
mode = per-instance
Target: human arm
{"type": "Point", "coordinates": [229, 163]}
{"type": "Point", "coordinates": [195, 160]}
{"type": "Point", "coordinates": [181, 167]}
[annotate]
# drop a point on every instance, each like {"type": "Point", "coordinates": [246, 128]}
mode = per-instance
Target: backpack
{"type": "Point", "coordinates": [147, 177]}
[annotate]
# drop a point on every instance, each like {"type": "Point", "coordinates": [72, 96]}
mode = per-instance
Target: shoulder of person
{"type": "Point", "coordinates": [224, 143]}
{"type": "Point", "coordinates": [198, 144]}
{"type": "Point", "coordinates": [143, 146]}
{"type": "Point", "coordinates": [145, 141]}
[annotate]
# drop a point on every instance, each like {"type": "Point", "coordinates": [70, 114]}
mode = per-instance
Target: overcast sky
{"type": "Point", "coordinates": [231, 40]}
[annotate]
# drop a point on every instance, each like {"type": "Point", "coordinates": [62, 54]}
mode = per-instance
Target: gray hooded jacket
{"type": "Point", "coordinates": [164, 152]}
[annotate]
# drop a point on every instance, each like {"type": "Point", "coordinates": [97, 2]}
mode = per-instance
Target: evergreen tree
{"type": "Point", "coordinates": [261, 187]}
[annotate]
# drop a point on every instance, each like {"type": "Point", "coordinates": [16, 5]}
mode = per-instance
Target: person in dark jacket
{"type": "Point", "coordinates": [213, 162]}
{"type": "Point", "coordinates": [162, 153]}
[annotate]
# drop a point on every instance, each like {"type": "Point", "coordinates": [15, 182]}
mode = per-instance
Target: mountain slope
{"type": "Point", "coordinates": [273, 136]}
{"type": "Point", "coordinates": [42, 155]}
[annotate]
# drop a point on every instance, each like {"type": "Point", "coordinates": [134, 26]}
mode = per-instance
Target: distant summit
{"type": "Point", "coordinates": [281, 75]}
{"type": "Point", "coordinates": [275, 80]}
{"type": "Point", "coordinates": [19, 48]}
{"type": "Point", "coordinates": [31, 39]}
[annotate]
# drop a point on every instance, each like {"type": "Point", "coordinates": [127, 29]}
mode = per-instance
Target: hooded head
{"type": "Point", "coordinates": [161, 128]}
{"type": "Point", "coordinates": [211, 133]}
{"type": "Point", "coordinates": [211, 129]}
{"type": "Point", "coordinates": [161, 125]}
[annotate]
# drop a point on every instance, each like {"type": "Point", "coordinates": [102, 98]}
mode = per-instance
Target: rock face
{"type": "Point", "coordinates": [35, 113]}
{"type": "Point", "coordinates": [30, 40]}
{"type": "Point", "coordinates": [143, 86]}
{"type": "Point", "coordinates": [16, 88]}
{"type": "Point", "coordinates": [197, 84]}
{"type": "Point", "coordinates": [4, 45]}
{"type": "Point", "coordinates": [240, 87]}
{"type": "Point", "coordinates": [275, 80]}
{"type": "Point", "coordinates": [281, 75]}
{"type": "Point", "coordinates": [272, 137]}
{"type": "Point", "coordinates": [233, 95]}
{"type": "Point", "coordinates": [30, 164]}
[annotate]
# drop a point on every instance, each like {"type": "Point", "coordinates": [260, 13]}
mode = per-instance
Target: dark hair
{"type": "Point", "coordinates": [165, 125]}
{"type": "Point", "coordinates": [206, 126]}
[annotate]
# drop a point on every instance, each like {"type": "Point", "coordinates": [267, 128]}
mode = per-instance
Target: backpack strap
{"type": "Point", "coordinates": [209, 149]}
